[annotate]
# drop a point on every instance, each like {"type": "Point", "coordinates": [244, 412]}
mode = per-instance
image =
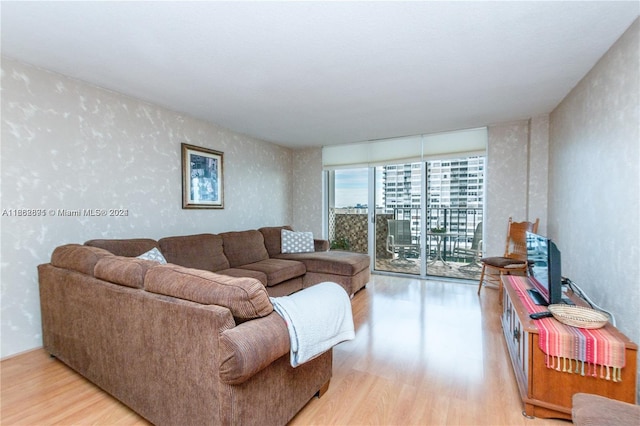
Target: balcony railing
{"type": "Point", "coordinates": [349, 230]}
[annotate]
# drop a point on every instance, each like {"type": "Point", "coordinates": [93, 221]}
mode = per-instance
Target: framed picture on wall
{"type": "Point", "coordinates": [202, 183]}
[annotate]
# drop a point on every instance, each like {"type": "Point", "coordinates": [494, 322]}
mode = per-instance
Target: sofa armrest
{"type": "Point", "coordinates": [321, 245]}
{"type": "Point", "coordinates": [252, 346]}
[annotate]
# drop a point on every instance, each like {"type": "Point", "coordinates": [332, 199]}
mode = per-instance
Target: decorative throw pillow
{"type": "Point", "coordinates": [153, 254]}
{"type": "Point", "coordinates": [297, 242]}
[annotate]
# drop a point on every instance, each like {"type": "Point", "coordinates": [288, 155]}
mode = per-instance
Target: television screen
{"type": "Point", "coordinates": [544, 269]}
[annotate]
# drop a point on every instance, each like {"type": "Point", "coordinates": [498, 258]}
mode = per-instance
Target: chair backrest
{"type": "Point", "coordinates": [401, 231]}
{"type": "Point", "coordinates": [477, 237]}
{"type": "Point", "coordinates": [516, 247]}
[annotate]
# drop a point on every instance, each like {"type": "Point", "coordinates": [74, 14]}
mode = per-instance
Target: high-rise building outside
{"type": "Point", "coordinates": [455, 193]}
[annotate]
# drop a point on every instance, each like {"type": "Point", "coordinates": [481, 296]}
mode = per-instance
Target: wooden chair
{"type": "Point", "coordinates": [515, 255]}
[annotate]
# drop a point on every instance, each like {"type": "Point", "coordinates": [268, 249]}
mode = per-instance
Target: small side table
{"type": "Point", "coordinates": [440, 237]}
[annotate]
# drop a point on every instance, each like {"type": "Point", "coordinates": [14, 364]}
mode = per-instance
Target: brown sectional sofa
{"type": "Point", "coordinates": [256, 254]}
{"type": "Point", "coordinates": [195, 341]}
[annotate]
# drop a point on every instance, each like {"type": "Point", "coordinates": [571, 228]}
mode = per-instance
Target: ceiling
{"type": "Point", "coordinates": [318, 73]}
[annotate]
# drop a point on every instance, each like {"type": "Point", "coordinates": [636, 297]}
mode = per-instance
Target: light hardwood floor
{"type": "Point", "coordinates": [425, 353]}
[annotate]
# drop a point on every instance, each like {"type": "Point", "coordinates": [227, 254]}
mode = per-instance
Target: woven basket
{"type": "Point", "coordinates": [578, 316]}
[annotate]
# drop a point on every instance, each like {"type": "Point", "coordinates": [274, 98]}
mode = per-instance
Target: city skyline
{"type": "Point", "coordinates": [351, 185]}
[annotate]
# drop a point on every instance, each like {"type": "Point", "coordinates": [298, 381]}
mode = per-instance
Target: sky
{"type": "Point", "coordinates": [351, 187]}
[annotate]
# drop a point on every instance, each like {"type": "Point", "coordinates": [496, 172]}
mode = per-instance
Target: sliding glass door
{"type": "Point", "coordinates": [417, 218]}
{"type": "Point", "coordinates": [398, 212]}
{"type": "Point", "coordinates": [414, 203]}
{"type": "Point", "coordinates": [454, 212]}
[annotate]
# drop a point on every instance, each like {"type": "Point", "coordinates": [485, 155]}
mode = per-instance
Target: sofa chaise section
{"type": "Point", "coordinates": [350, 270]}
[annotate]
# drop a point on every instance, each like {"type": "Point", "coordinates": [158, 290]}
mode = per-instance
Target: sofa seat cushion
{"type": "Point", "coordinates": [201, 251]}
{"type": "Point", "coordinates": [239, 273]}
{"type": "Point", "coordinates": [246, 298]}
{"type": "Point", "coordinates": [127, 271]}
{"type": "Point", "coordinates": [78, 257]}
{"type": "Point", "coordinates": [331, 262]}
{"type": "Point", "coordinates": [251, 347]}
{"type": "Point", "coordinates": [277, 270]}
{"type": "Point", "coordinates": [130, 247]}
{"type": "Point", "coordinates": [244, 247]}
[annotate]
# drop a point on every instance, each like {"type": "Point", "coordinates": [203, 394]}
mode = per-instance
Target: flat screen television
{"type": "Point", "coordinates": [544, 270]}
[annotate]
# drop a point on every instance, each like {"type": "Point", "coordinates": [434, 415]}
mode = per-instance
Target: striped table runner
{"type": "Point", "coordinates": [593, 352]}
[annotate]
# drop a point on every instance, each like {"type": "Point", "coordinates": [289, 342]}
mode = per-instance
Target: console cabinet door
{"type": "Point", "coordinates": [518, 343]}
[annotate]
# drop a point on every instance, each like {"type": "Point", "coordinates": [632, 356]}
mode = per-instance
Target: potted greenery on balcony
{"type": "Point", "coordinates": [340, 244]}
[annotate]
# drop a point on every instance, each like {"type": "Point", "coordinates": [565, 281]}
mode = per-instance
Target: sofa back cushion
{"type": "Point", "coordinates": [202, 251]}
{"type": "Point", "coordinates": [131, 247]}
{"type": "Point", "coordinates": [246, 298]}
{"type": "Point", "coordinates": [127, 271]}
{"type": "Point", "coordinates": [78, 257]}
{"type": "Point", "coordinates": [242, 248]}
{"type": "Point", "coordinates": [273, 238]}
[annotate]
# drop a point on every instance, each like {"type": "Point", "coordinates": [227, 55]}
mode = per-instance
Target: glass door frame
{"type": "Point", "coordinates": [423, 223]}
{"type": "Point", "coordinates": [373, 240]}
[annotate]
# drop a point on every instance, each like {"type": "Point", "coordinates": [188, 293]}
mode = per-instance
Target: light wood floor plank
{"type": "Point", "coordinates": [425, 353]}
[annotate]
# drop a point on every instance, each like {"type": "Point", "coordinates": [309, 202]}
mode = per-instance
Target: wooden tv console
{"type": "Point", "coordinates": [544, 391]}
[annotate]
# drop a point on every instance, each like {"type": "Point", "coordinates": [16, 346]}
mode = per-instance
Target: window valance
{"type": "Point", "coordinates": [405, 149]}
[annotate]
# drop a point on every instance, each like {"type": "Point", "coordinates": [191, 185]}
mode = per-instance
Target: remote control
{"type": "Point", "coordinates": [538, 315]}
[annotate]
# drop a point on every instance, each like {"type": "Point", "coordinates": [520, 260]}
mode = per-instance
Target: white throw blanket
{"type": "Point", "coordinates": [318, 318]}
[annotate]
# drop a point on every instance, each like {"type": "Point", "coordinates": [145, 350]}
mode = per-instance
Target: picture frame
{"type": "Point", "coordinates": [202, 178]}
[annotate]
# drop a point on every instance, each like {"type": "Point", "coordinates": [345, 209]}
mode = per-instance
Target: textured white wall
{"type": "Point", "coordinates": [506, 182]}
{"type": "Point", "coordinates": [69, 145]}
{"type": "Point", "coordinates": [307, 191]}
{"type": "Point", "coordinates": [537, 203]}
{"type": "Point", "coordinates": [594, 184]}
{"type": "Point", "coordinates": [516, 178]}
